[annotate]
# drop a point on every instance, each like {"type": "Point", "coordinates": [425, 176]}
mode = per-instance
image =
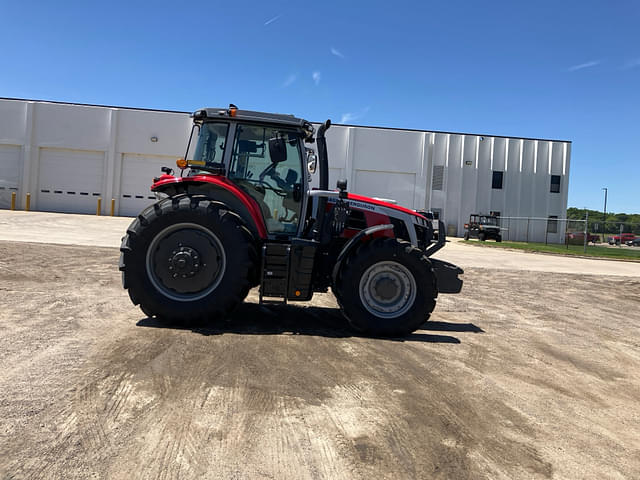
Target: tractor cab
{"type": "Point", "coordinates": [263, 154]}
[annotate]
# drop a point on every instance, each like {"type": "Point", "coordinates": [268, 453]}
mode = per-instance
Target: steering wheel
{"type": "Point", "coordinates": [277, 191]}
{"type": "Point", "coordinates": [267, 171]}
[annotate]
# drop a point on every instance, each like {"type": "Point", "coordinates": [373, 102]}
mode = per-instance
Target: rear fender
{"type": "Point", "coordinates": [237, 200]}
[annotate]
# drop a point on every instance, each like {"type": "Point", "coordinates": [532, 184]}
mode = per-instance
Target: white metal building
{"type": "Point", "coordinates": [67, 156]}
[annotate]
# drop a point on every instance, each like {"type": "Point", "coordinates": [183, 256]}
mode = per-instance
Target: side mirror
{"type": "Point", "coordinates": [277, 150]}
{"type": "Point", "coordinates": [312, 161]}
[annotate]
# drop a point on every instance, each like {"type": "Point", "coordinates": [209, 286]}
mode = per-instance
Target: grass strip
{"type": "Point", "coordinates": [618, 253]}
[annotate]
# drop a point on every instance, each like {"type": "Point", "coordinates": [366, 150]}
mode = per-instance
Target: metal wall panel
{"type": "Point", "coordinates": [10, 173]}
{"type": "Point", "coordinates": [452, 210]}
{"type": "Point", "coordinates": [71, 126]}
{"type": "Point", "coordinates": [387, 150]}
{"type": "Point", "coordinates": [13, 122]}
{"type": "Point", "coordinates": [484, 176]}
{"type": "Point", "coordinates": [468, 203]}
{"type": "Point", "coordinates": [391, 185]}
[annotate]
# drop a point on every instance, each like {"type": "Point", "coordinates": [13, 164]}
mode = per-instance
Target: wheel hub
{"type": "Point", "coordinates": [387, 289]}
{"type": "Point", "coordinates": [184, 262]}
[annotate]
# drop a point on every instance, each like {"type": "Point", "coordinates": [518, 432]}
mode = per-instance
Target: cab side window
{"type": "Point", "coordinates": [275, 183]}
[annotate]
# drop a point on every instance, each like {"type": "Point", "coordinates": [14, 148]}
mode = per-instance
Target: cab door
{"type": "Point", "coordinates": [276, 182]}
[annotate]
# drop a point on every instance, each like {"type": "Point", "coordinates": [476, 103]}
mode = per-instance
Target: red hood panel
{"type": "Point", "coordinates": [380, 203]}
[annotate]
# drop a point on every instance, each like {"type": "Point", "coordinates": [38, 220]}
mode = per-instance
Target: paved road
{"type": "Point", "coordinates": [62, 228]}
{"type": "Point", "coordinates": [468, 255]}
{"type": "Point", "coordinates": [90, 230]}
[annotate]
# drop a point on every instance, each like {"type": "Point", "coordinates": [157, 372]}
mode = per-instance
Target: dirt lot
{"type": "Point", "coordinates": [524, 375]}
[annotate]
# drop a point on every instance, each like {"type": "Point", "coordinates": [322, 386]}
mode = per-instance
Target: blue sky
{"type": "Point", "coordinates": [547, 69]}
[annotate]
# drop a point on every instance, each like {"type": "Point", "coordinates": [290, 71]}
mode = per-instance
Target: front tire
{"type": "Point", "coordinates": [387, 288]}
{"type": "Point", "coordinates": [188, 259]}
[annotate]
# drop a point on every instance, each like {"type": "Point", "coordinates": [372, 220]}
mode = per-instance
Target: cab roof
{"type": "Point", "coordinates": [234, 113]}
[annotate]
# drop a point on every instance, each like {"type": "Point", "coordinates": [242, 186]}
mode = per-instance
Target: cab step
{"type": "Point", "coordinates": [274, 283]}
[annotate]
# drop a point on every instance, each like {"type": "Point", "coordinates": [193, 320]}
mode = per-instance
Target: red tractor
{"type": "Point", "coordinates": [241, 214]}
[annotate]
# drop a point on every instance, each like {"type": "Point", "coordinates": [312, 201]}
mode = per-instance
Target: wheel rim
{"type": "Point", "coordinates": [387, 289]}
{"type": "Point", "coordinates": [185, 262]}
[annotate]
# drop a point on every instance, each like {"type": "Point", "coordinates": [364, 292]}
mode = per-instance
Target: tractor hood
{"type": "Point", "coordinates": [368, 203]}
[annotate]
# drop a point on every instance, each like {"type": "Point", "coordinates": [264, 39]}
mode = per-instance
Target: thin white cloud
{"type": "Point", "coordinates": [351, 117]}
{"type": "Point", "coordinates": [270, 21]}
{"type": "Point", "coordinates": [347, 117]}
{"type": "Point", "coordinates": [316, 77]}
{"type": "Point", "coordinates": [632, 64]}
{"type": "Point", "coordinates": [289, 80]}
{"type": "Point", "coordinates": [336, 52]}
{"type": "Point", "coordinates": [581, 66]}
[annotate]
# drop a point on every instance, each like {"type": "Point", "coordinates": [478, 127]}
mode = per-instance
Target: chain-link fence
{"type": "Point", "coordinates": [614, 233]}
{"type": "Point", "coordinates": [567, 231]}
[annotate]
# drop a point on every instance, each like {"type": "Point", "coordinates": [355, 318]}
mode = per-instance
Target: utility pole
{"type": "Point", "coordinates": [604, 220]}
{"type": "Point", "coordinates": [586, 229]}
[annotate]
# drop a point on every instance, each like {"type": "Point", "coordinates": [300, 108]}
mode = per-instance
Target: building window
{"type": "Point", "coordinates": [438, 177]}
{"type": "Point", "coordinates": [555, 184]}
{"type": "Point", "coordinates": [552, 224]}
{"type": "Point", "coordinates": [497, 180]}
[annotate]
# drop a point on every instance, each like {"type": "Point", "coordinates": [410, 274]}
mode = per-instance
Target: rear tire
{"type": "Point", "coordinates": [466, 235]}
{"type": "Point", "coordinates": [499, 238]}
{"type": "Point", "coordinates": [387, 288]}
{"type": "Point", "coordinates": [482, 236]}
{"type": "Point", "coordinates": [188, 259]}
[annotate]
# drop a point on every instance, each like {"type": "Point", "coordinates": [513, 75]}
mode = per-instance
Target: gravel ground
{"type": "Point", "coordinates": [523, 375]}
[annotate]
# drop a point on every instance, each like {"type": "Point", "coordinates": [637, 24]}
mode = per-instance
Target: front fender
{"type": "Point", "coordinates": [353, 243]}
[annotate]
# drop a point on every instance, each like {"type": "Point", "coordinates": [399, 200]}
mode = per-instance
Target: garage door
{"type": "Point", "coordinates": [70, 180]}
{"type": "Point", "coordinates": [137, 176]}
{"type": "Point", "coordinates": [10, 173]}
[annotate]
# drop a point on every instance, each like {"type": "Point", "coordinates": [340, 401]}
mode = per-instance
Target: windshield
{"type": "Point", "coordinates": [212, 139]}
{"type": "Point", "coordinates": [489, 220]}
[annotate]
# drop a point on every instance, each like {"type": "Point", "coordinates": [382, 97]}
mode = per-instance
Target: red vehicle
{"type": "Point", "coordinates": [622, 238]}
{"type": "Point", "coordinates": [241, 213]}
{"type": "Point", "coordinates": [577, 238]}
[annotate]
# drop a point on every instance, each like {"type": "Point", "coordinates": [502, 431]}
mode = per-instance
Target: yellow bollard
{"type": "Point", "coordinates": [13, 200]}
{"type": "Point", "coordinates": [113, 206]}
{"type": "Point", "coordinates": [99, 206]}
{"type": "Point", "coordinates": [27, 205]}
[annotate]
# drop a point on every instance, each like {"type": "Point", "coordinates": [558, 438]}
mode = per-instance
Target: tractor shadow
{"type": "Point", "coordinates": [254, 319]}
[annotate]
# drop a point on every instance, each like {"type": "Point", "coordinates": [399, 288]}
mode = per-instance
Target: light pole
{"type": "Point", "coordinates": [604, 221]}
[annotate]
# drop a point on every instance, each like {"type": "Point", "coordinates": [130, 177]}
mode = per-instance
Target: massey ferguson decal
{"type": "Point", "coordinates": [358, 205]}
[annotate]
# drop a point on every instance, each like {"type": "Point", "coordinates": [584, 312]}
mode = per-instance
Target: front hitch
{"type": "Point", "coordinates": [442, 239]}
{"type": "Point", "coordinates": [447, 276]}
